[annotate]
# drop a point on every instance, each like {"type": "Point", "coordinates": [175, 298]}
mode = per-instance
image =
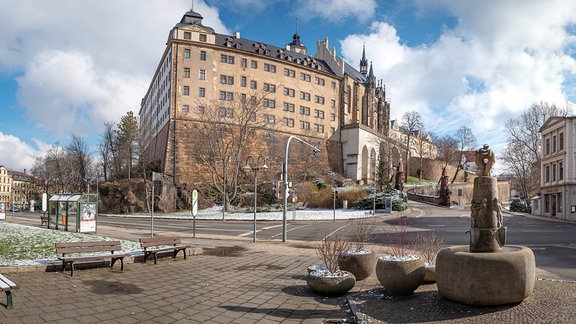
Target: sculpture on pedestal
{"type": "Point", "coordinates": [486, 272]}
{"type": "Point", "coordinates": [444, 195]}
{"type": "Point", "coordinates": [486, 232]}
{"type": "Point", "coordinates": [399, 185]}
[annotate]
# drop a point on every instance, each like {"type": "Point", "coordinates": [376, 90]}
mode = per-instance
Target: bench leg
{"type": "Point", "coordinates": [178, 250]}
{"type": "Point", "coordinates": [71, 267]}
{"type": "Point", "coordinates": [121, 263]}
{"type": "Point", "coordinates": [9, 299]}
{"type": "Point", "coordinates": [155, 258]}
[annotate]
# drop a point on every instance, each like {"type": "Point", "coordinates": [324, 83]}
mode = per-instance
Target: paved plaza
{"type": "Point", "coordinates": [236, 281]}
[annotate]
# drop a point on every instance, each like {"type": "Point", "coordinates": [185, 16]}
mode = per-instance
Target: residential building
{"type": "Point", "coordinates": [558, 164]}
{"type": "Point", "coordinates": [5, 187]}
{"type": "Point", "coordinates": [319, 98]}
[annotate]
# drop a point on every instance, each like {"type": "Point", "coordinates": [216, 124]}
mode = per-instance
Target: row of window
{"type": "Point", "coordinates": [230, 59]}
{"type": "Point", "coordinates": [553, 202]}
{"type": "Point", "coordinates": [554, 172]}
{"type": "Point", "coordinates": [554, 144]}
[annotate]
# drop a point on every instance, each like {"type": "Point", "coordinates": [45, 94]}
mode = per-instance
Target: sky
{"type": "Point", "coordinates": [68, 66]}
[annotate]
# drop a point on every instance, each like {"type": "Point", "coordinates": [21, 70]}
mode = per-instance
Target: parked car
{"type": "Point", "coordinates": [14, 209]}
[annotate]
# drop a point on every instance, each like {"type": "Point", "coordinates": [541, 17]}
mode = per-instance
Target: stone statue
{"type": "Point", "coordinates": [487, 233]}
{"type": "Point", "coordinates": [485, 160]}
{"type": "Point", "coordinates": [399, 183]}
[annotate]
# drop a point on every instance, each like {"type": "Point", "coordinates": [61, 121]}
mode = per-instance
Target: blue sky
{"type": "Point", "coordinates": [68, 66]}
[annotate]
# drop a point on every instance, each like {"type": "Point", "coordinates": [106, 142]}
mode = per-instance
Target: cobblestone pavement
{"type": "Point", "coordinates": [242, 282]}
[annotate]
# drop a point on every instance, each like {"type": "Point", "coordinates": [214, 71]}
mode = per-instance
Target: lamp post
{"type": "Point", "coordinates": [374, 183]}
{"type": "Point", "coordinates": [255, 167]}
{"type": "Point", "coordinates": [285, 179]}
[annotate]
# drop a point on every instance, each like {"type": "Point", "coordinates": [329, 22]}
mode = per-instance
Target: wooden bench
{"type": "Point", "coordinates": [153, 245]}
{"type": "Point", "coordinates": [6, 285]}
{"type": "Point", "coordinates": [79, 248]}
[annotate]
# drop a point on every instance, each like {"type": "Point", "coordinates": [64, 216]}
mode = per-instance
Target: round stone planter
{"type": "Point", "coordinates": [328, 284]}
{"type": "Point", "coordinates": [400, 277]}
{"type": "Point", "coordinates": [430, 274]}
{"type": "Point", "coordinates": [360, 263]}
{"type": "Point", "coordinates": [485, 278]}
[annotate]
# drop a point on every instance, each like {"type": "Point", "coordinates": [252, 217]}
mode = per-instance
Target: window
{"type": "Point", "coordinates": [244, 63]}
{"type": "Point", "coordinates": [554, 172]}
{"type": "Point", "coordinates": [289, 92]}
{"type": "Point", "coordinates": [304, 110]}
{"type": "Point", "coordinates": [230, 59]}
{"type": "Point", "coordinates": [547, 174]}
{"type": "Point", "coordinates": [560, 141]}
{"type": "Point", "coordinates": [254, 64]}
{"type": "Point", "coordinates": [318, 114]}
{"type": "Point", "coordinates": [185, 108]}
{"type": "Point", "coordinates": [269, 103]}
{"type": "Point", "coordinates": [226, 79]}
{"type": "Point", "coordinates": [186, 90]}
{"type": "Point", "coordinates": [333, 85]}
{"type": "Point", "coordinates": [226, 112]}
{"type": "Point", "coordinates": [288, 107]}
{"type": "Point", "coordinates": [319, 81]}
{"type": "Point", "coordinates": [226, 59]}
{"type": "Point", "coordinates": [187, 35]}
{"type": "Point", "coordinates": [186, 53]}
{"type": "Point", "coordinates": [253, 85]}
{"type": "Point", "coordinates": [226, 95]}
{"type": "Point", "coordinates": [243, 81]}
{"type": "Point", "coordinates": [289, 73]}
{"type": "Point", "coordinates": [288, 122]}
{"type": "Point", "coordinates": [201, 92]}
{"type": "Point", "coordinates": [332, 117]}
{"type": "Point", "coordinates": [560, 171]}
{"type": "Point", "coordinates": [547, 146]}
{"type": "Point", "coordinates": [203, 38]}
{"type": "Point", "coordinates": [304, 96]}
{"type": "Point", "coordinates": [553, 144]}
{"type": "Point", "coordinates": [304, 125]}
{"type": "Point", "coordinates": [559, 200]}
{"type": "Point", "coordinates": [202, 56]}
{"type": "Point", "coordinates": [269, 87]}
{"type": "Point", "coordinates": [201, 109]}
{"type": "Point", "coordinates": [187, 73]}
{"type": "Point", "coordinates": [269, 119]}
{"type": "Point", "coordinates": [319, 128]}
{"type": "Point", "coordinates": [270, 68]}
{"type": "Point", "coordinates": [319, 100]}
{"type": "Point", "coordinates": [333, 103]}
{"type": "Point", "coordinates": [305, 77]}
{"type": "Point", "coordinates": [243, 98]}
{"type": "Point", "coordinates": [202, 75]}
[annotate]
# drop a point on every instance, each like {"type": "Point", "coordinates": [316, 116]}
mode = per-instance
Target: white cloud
{"type": "Point", "coordinates": [17, 155]}
{"type": "Point", "coordinates": [501, 57]}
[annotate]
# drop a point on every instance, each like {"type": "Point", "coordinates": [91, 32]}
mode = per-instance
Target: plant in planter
{"type": "Point", "coordinates": [427, 246]}
{"type": "Point", "coordinates": [331, 281]}
{"type": "Point", "coordinates": [358, 259]}
{"type": "Point", "coordinates": [402, 272]}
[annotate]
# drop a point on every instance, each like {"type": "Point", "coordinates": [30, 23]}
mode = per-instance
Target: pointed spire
{"type": "Point", "coordinates": [371, 73]}
{"type": "Point", "coordinates": [363, 61]}
{"type": "Point", "coordinates": [296, 45]}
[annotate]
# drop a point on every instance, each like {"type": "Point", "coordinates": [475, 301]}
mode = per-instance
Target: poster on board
{"type": "Point", "coordinates": [87, 218]}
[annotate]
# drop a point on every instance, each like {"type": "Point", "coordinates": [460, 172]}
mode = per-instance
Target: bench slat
{"type": "Point", "coordinates": [158, 241]}
{"type": "Point", "coordinates": [7, 284]}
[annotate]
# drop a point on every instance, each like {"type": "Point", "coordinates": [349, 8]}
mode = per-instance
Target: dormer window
{"type": "Point", "coordinates": [187, 35]}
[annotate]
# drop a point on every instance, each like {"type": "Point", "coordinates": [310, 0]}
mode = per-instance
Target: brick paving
{"type": "Point", "coordinates": [243, 282]}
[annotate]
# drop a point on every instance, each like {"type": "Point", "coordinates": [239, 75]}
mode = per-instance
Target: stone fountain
{"type": "Point", "coordinates": [487, 272]}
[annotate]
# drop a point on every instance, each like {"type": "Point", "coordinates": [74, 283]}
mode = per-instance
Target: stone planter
{"type": "Point", "coordinates": [400, 277]}
{"type": "Point", "coordinates": [430, 274]}
{"type": "Point", "coordinates": [361, 263]}
{"type": "Point", "coordinates": [326, 283]}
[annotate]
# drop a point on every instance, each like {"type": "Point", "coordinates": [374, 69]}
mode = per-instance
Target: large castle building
{"type": "Point", "coordinates": [318, 98]}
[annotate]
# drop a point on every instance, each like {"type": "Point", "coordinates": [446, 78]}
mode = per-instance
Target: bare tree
{"type": "Point", "coordinates": [447, 151]}
{"type": "Point", "coordinates": [524, 142]}
{"type": "Point", "coordinates": [107, 151]}
{"type": "Point", "coordinates": [411, 123]}
{"type": "Point", "coordinates": [466, 142]}
{"type": "Point", "coordinates": [80, 162]}
{"type": "Point", "coordinates": [227, 127]}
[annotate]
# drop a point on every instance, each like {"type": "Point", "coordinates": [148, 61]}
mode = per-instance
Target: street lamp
{"type": "Point", "coordinates": [285, 179]}
{"type": "Point", "coordinates": [255, 167]}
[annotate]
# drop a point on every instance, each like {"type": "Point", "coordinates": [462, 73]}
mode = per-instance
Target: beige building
{"type": "Point", "coordinates": [319, 98]}
{"type": "Point", "coordinates": [558, 164]}
{"type": "Point", "coordinates": [5, 187]}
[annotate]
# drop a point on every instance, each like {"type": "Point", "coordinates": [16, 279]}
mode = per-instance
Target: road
{"type": "Point", "coordinates": [553, 243]}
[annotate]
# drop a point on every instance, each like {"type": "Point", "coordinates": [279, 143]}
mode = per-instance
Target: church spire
{"type": "Point", "coordinates": [296, 45]}
{"type": "Point", "coordinates": [364, 61]}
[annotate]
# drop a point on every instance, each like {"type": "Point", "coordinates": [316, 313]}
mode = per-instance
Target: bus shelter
{"type": "Point", "coordinates": [73, 212]}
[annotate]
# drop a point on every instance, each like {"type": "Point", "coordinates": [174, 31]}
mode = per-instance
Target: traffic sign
{"type": "Point", "coordinates": [194, 203]}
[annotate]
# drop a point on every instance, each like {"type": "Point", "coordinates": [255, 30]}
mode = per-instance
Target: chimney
{"type": "Point", "coordinates": [237, 34]}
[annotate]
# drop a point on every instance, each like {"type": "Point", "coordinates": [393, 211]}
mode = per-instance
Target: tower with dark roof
{"type": "Point", "coordinates": [364, 62]}
{"type": "Point", "coordinates": [296, 45]}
